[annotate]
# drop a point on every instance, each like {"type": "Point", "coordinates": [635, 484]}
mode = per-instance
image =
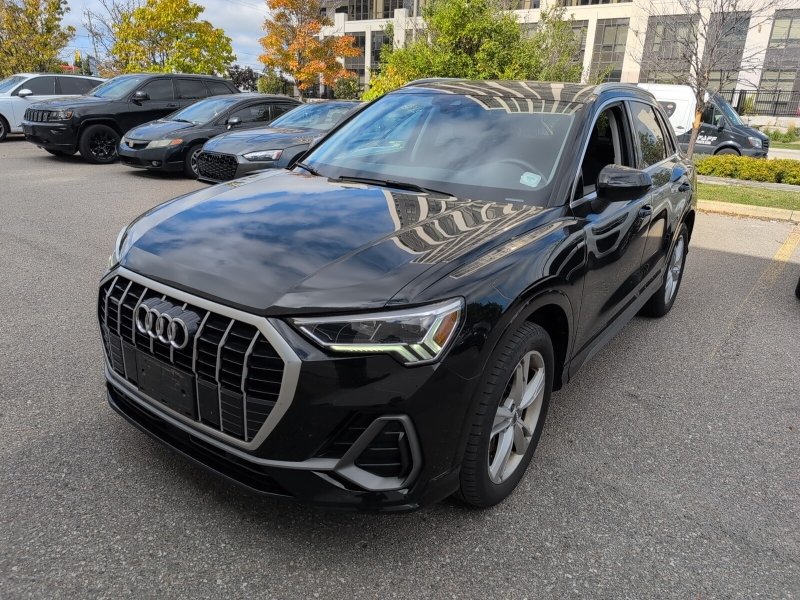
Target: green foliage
{"type": "Point", "coordinates": [346, 88]}
{"type": "Point", "coordinates": [243, 78]}
{"type": "Point", "coordinates": [749, 106]}
{"type": "Point", "coordinates": [31, 35]}
{"type": "Point", "coordinates": [475, 39]}
{"type": "Point", "coordinates": [271, 83]}
{"type": "Point", "coordinates": [166, 36]}
{"type": "Point", "coordinates": [791, 135]}
{"type": "Point", "coordinates": [752, 169]}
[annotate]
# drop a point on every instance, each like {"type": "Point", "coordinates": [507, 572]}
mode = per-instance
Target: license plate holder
{"type": "Point", "coordinates": [166, 384]}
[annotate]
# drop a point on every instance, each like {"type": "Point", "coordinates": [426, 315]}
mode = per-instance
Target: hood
{"type": "Point", "coordinates": [749, 131]}
{"type": "Point", "coordinates": [268, 138]}
{"type": "Point", "coordinates": [159, 130]}
{"type": "Point", "coordinates": [72, 102]}
{"type": "Point", "coordinates": [291, 242]}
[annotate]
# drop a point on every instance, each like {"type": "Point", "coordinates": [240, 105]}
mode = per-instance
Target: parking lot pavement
{"type": "Point", "coordinates": [668, 468]}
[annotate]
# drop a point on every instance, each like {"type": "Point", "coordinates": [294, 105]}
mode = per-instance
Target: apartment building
{"type": "Point", "coordinates": [613, 34]}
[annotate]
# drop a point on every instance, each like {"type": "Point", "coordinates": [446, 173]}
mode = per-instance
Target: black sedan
{"type": "Point", "coordinates": [241, 152]}
{"type": "Point", "coordinates": [173, 143]}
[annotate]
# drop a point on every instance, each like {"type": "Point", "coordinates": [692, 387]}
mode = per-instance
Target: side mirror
{"type": "Point", "coordinates": [233, 122]}
{"type": "Point", "coordinates": [140, 96]}
{"type": "Point", "coordinates": [24, 93]}
{"type": "Point", "coordinates": [616, 183]}
{"type": "Point", "coordinates": [721, 125]}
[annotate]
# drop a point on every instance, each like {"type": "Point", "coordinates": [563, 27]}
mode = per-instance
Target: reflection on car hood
{"type": "Point", "coordinates": [69, 102]}
{"type": "Point", "coordinates": [157, 130]}
{"type": "Point", "coordinates": [268, 138]}
{"type": "Point", "coordinates": [286, 241]}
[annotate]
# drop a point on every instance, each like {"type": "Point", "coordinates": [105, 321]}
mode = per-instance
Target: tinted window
{"type": "Point", "coordinates": [255, 113]}
{"type": "Point", "coordinates": [40, 86]}
{"type": "Point", "coordinates": [322, 116]}
{"type": "Point", "coordinates": [190, 89]}
{"type": "Point", "coordinates": [205, 110]}
{"type": "Point", "coordinates": [118, 87]}
{"type": "Point", "coordinates": [712, 115]}
{"type": "Point", "coordinates": [279, 109]}
{"type": "Point", "coordinates": [648, 134]}
{"type": "Point", "coordinates": [159, 89]}
{"type": "Point", "coordinates": [218, 88]}
{"type": "Point", "coordinates": [76, 85]}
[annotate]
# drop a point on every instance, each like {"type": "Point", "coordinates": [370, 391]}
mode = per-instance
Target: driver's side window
{"type": "Point", "coordinates": [607, 146]}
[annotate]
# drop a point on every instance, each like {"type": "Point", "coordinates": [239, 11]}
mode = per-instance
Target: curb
{"type": "Point", "coordinates": [744, 210]}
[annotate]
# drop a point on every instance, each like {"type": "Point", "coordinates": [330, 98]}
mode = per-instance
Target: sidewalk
{"type": "Point", "coordinates": [783, 187]}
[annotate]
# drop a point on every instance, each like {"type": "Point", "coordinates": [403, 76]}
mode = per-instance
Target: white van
{"type": "Point", "coordinates": [722, 130]}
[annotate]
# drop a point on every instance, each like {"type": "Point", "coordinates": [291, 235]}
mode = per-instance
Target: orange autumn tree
{"type": "Point", "coordinates": [292, 43]}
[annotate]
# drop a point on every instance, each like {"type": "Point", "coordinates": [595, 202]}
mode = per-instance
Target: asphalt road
{"type": "Point", "coordinates": [670, 468]}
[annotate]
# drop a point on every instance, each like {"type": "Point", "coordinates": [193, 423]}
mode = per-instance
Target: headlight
{"type": "Point", "coordinates": [413, 336]}
{"type": "Point", "coordinates": [164, 143]}
{"type": "Point", "coordinates": [264, 155]}
{"type": "Point", "coordinates": [754, 142]}
{"type": "Point", "coordinates": [114, 258]}
{"type": "Point", "coordinates": [60, 115]}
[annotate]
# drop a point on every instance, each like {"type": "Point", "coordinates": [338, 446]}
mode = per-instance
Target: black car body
{"type": "Point", "coordinates": [344, 334]}
{"type": "Point", "coordinates": [239, 153]}
{"type": "Point", "coordinates": [93, 124]}
{"type": "Point", "coordinates": [173, 143]}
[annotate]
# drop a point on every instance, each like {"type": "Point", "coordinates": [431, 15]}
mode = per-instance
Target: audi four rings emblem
{"type": "Point", "coordinates": [166, 322]}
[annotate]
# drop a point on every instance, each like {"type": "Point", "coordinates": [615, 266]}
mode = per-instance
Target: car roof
{"type": "Point", "coordinates": [172, 75]}
{"type": "Point", "coordinates": [535, 90]}
{"type": "Point", "coordinates": [54, 74]}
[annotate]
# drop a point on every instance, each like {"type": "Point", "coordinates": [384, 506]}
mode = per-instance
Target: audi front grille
{"type": "Point", "coordinates": [217, 167]}
{"type": "Point", "coordinates": [227, 377]}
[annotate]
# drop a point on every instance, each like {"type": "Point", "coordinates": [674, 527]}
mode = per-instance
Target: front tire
{"type": "Point", "coordinates": [98, 144]}
{"type": "Point", "coordinates": [509, 417]}
{"type": "Point", "coordinates": [3, 129]}
{"type": "Point", "coordinates": [661, 302]}
{"type": "Point", "coordinates": [190, 162]}
{"type": "Point", "coordinates": [727, 151]}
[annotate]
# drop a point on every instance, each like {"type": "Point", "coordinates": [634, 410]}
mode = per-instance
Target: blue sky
{"type": "Point", "coordinates": [241, 20]}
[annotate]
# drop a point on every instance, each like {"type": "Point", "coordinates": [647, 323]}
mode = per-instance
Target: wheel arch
{"type": "Point", "coordinates": [727, 146]}
{"type": "Point", "coordinates": [100, 121]}
{"type": "Point", "coordinates": [688, 220]}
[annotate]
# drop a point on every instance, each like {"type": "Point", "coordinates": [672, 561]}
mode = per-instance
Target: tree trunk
{"type": "Point", "coordinates": [698, 114]}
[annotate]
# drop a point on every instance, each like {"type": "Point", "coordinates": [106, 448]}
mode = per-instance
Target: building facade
{"type": "Point", "coordinates": [613, 33]}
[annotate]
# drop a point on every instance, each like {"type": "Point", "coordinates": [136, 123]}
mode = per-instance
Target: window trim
{"type": "Point", "coordinates": [176, 81]}
{"type": "Point", "coordinates": [25, 84]}
{"type": "Point", "coordinates": [636, 145]}
{"type": "Point", "coordinates": [149, 81]}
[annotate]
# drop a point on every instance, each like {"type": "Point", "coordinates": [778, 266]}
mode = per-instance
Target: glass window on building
{"type": "Point", "coordinates": [780, 80]}
{"type": "Point", "coordinates": [580, 28]}
{"type": "Point", "coordinates": [786, 29]}
{"type": "Point", "coordinates": [384, 9]}
{"type": "Point", "coordinates": [609, 48]}
{"type": "Point", "coordinates": [356, 63]}
{"type": "Point", "coordinates": [781, 62]}
{"type": "Point", "coordinates": [663, 57]}
{"type": "Point", "coordinates": [379, 38]}
{"type": "Point", "coordinates": [358, 10]}
{"type": "Point", "coordinates": [590, 2]}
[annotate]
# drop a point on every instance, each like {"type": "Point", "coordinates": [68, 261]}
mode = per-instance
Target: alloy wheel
{"type": "Point", "coordinates": [193, 161]}
{"type": "Point", "coordinates": [674, 270]}
{"type": "Point", "coordinates": [103, 145]}
{"type": "Point", "coordinates": [516, 417]}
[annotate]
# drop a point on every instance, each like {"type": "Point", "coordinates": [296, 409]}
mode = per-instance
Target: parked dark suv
{"type": "Point", "coordinates": [382, 326]}
{"type": "Point", "coordinates": [93, 124]}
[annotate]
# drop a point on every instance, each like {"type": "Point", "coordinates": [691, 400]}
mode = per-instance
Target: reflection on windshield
{"type": "Point", "coordinates": [119, 87]}
{"type": "Point", "coordinates": [203, 111]}
{"type": "Point", "coordinates": [321, 116]}
{"type": "Point", "coordinates": [464, 143]}
{"type": "Point", "coordinates": [732, 115]}
{"type": "Point", "coordinates": [7, 84]}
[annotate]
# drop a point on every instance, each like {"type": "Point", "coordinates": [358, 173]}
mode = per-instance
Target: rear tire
{"type": "Point", "coordinates": [190, 162]}
{"type": "Point", "coordinates": [729, 151]}
{"type": "Point", "coordinates": [512, 403]}
{"type": "Point", "coordinates": [98, 144]}
{"type": "Point", "coordinates": [661, 302]}
{"type": "Point", "coordinates": [3, 129]}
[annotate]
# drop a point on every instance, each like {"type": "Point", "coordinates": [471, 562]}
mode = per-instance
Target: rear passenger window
{"type": "Point", "coordinates": [648, 134]}
{"type": "Point", "coordinates": [254, 113]}
{"type": "Point", "coordinates": [190, 89]}
{"type": "Point", "coordinates": [159, 89]}
{"type": "Point", "coordinates": [218, 88]}
{"type": "Point", "coordinates": [40, 86]}
{"type": "Point", "coordinates": [76, 85]}
{"type": "Point", "coordinates": [279, 109]}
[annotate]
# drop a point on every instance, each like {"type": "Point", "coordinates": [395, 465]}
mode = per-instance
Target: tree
{"type": "Point", "coordinates": [166, 36]}
{"type": "Point", "coordinates": [101, 25]}
{"type": "Point", "coordinates": [271, 83]}
{"type": "Point", "coordinates": [347, 87]}
{"type": "Point", "coordinates": [477, 39]}
{"type": "Point", "coordinates": [243, 78]}
{"type": "Point", "coordinates": [704, 47]}
{"type": "Point", "coordinates": [292, 43]}
{"type": "Point", "coordinates": [32, 36]}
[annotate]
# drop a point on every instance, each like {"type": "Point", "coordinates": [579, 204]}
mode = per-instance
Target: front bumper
{"type": "Point", "coordinates": [755, 152]}
{"type": "Point", "coordinates": [211, 167]}
{"type": "Point", "coordinates": [334, 416]}
{"type": "Point", "coordinates": [53, 136]}
{"type": "Point", "coordinates": [157, 159]}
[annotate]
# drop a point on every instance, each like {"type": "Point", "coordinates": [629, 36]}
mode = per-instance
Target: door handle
{"type": "Point", "coordinates": [685, 187]}
{"type": "Point", "coordinates": [645, 211]}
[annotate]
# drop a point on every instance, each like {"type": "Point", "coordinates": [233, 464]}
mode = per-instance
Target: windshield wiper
{"type": "Point", "coordinates": [308, 168]}
{"type": "Point", "coordinates": [401, 185]}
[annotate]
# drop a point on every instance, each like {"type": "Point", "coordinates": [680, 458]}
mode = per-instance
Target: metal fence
{"type": "Point", "coordinates": [767, 103]}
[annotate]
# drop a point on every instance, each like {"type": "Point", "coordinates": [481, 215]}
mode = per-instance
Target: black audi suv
{"type": "Point", "coordinates": [382, 325]}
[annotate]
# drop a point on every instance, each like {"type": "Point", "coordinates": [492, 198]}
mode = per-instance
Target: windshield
{"type": "Point", "coordinates": [9, 83]}
{"type": "Point", "coordinates": [119, 87]}
{"type": "Point", "coordinates": [727, 109]}
{"type": "Point", "coordinates": [203, 111]}
{"type": "Point", "coordinates": [475, 147]}
{"type": "Point", "coordinates": [322, 116]}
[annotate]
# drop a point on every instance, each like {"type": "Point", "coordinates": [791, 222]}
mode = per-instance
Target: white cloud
{"type": "Point", "coordinates": [241, 19]}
